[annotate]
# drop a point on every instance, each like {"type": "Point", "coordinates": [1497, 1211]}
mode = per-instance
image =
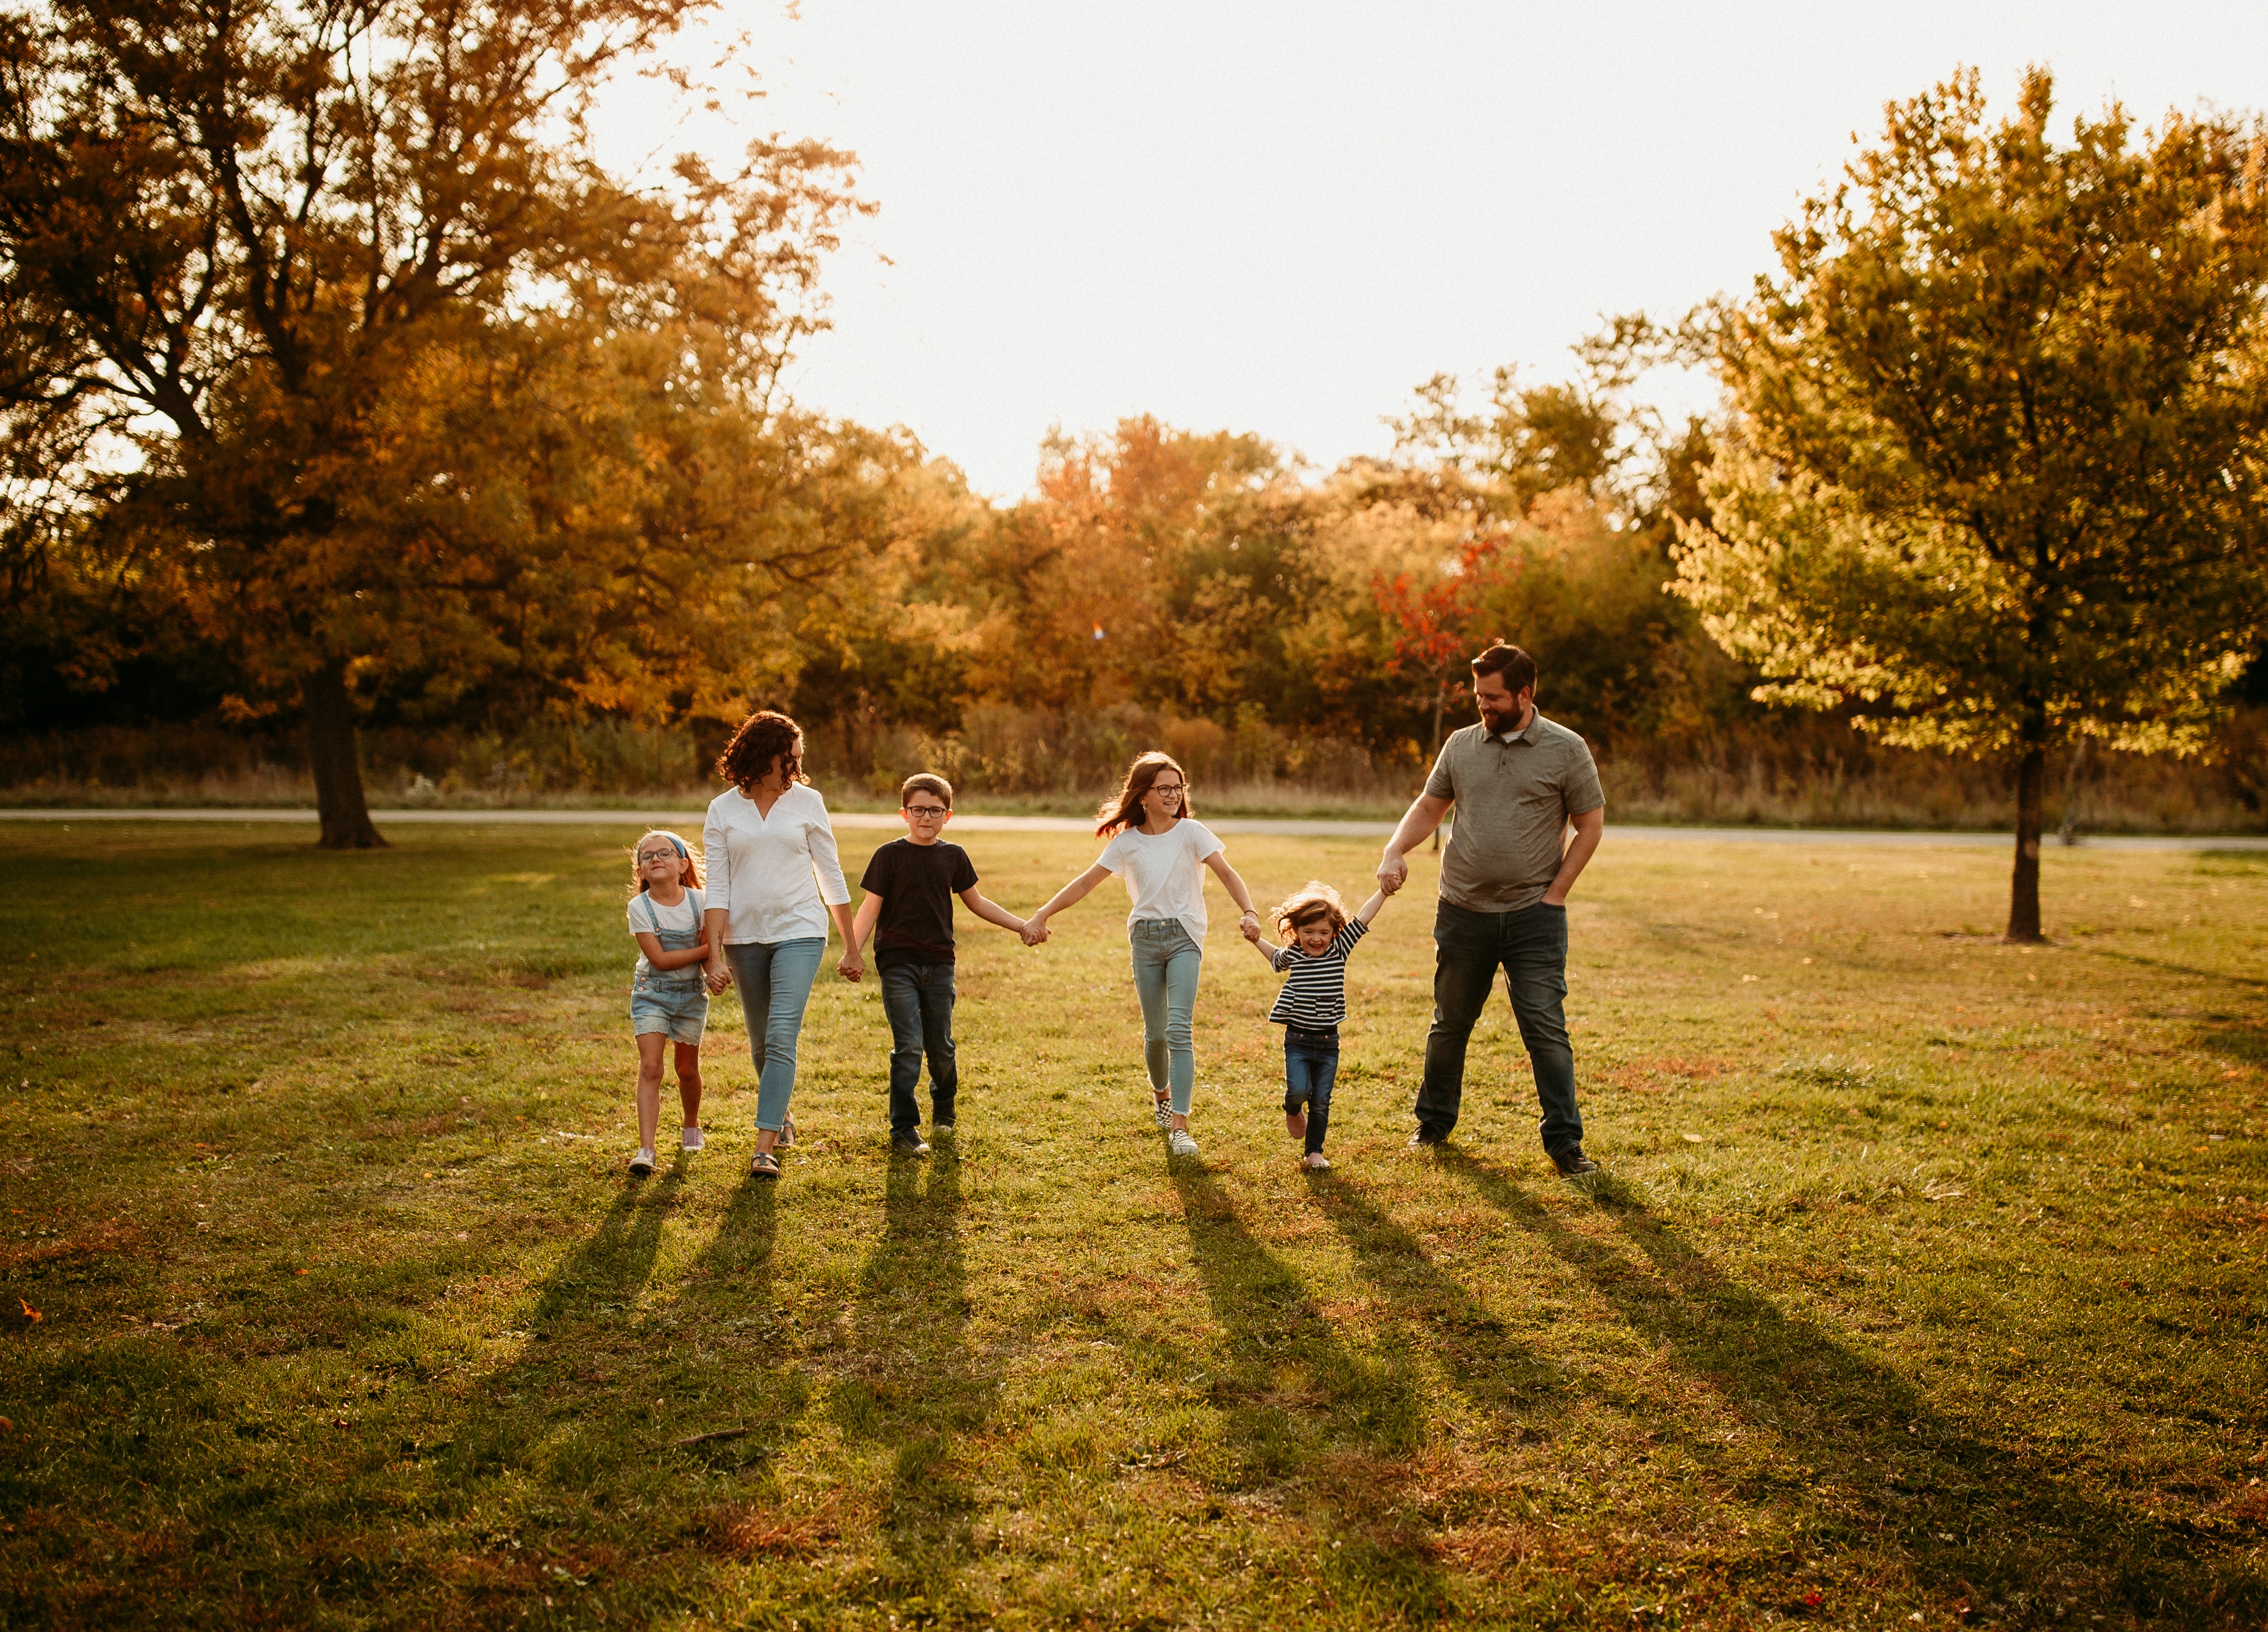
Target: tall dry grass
{"type": "Point", "coordinates": [1803, 772]}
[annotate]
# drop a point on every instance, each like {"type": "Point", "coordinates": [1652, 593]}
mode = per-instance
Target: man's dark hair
{"type": "Point", "coordinates": [1517, 668]}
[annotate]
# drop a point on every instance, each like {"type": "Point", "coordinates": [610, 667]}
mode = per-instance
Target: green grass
{"type": "Point", "coordinates": [1925, 1280]}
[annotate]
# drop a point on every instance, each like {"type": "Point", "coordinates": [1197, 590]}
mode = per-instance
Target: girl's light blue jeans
{"type": "Point", "coordinates": [1165, 963]}
{"type": "Point", "coordinates": [775, 981]}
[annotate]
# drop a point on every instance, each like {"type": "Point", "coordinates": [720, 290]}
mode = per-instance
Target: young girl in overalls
{"type": "Point", "coordinates": [669, 998]}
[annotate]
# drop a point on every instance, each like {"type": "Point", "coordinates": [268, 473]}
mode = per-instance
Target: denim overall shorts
{"type": "Point", "coordinates": [673, 1001]}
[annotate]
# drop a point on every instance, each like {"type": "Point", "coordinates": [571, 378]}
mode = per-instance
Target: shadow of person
{"type": "Point", "coordinates": [1305, 1410]}
{"type": "Point", "coordinates": [910, 1381]}
{"type": "Point", "coordinates": [575, 1341]}
{"type": "Point", "coordinates": [1967, 1516]}
{"type": "Point", "coordinates": [1434, 1307]}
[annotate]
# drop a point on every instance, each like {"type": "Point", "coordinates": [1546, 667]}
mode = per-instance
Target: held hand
{"type": "Point", "coordinates": [1035, 930]}
{"type": "Point", "coordinates": [1251, 927]}
{"type": "Point", "coordinates": [1393, 873]}
{"type": "Point", "coordinates": [851, 967]}
{"type": "Point", "coordinates": [716, 976]}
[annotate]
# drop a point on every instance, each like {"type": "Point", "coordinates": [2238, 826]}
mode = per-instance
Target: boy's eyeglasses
{"type": "Point", "coordinates": [927, 812]}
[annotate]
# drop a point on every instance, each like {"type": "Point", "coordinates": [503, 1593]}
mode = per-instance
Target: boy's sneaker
{"type": "Point", "coordinates": [691, 1137]}
{"type": "Point", "coordinates": [1314, 1162]}
{"type": "Point", "coordinates": [1180, 1142]}
{"type": "Point", "coordinates": [642, 1164]}
{"type": "Point", "coordinates": [940, 1128]}
{"type": "Point", "coordinates": [909, 1144]}
{"type": "Point", "coordinates": [1164, 1108]}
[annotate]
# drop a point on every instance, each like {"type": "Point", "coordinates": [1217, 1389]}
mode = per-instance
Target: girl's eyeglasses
{"type": "Point", "coordinates": [1171, 789]}
{"type": "Point", "coordinates": [646, 859]}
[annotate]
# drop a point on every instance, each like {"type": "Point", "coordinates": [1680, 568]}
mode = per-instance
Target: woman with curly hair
{"type": "Point", "coordinates": [774, 881]}
{"type": "Point", "coordinates": [1162, 851]}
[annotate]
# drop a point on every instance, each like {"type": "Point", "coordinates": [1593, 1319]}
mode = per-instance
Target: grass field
{"type": "Point", "coordinates": [1924, 1284]}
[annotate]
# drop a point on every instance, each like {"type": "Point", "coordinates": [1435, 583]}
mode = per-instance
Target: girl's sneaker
{"type": "Point", "coordinates": [642, 1164]}
{"type": "Point", "coordinates": [1164, 1110]}
{"type": "Point", "coordinates": [1180, 1142]}
{"type": "Point", "coordinates": [692, 1138]}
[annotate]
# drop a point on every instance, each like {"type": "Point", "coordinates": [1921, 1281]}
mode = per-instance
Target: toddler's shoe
{"type": "Point", "coordinates": [642, 1164]}
{"type": "Point", "coordinates": [691, 1137]}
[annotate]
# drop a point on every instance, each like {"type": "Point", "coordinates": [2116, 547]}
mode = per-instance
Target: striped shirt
{"type": "Point", "coordinates": [1314, 989]}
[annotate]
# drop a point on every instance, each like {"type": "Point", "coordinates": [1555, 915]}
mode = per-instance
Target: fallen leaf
{"type": "Point", "coordinates": [298, 1272]}
{"type": "Point", "coordinates": [6, 1427]}
{"type": "Point", "coordinates": [32, 1314]}
{"type": "Point", "coordinates": [1692, 1139]}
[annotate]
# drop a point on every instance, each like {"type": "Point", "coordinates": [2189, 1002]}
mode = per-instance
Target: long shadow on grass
{"type": "Point", "coordinates": [2027, 1538]}
{"type": "Point", "coordinates": [577, 1326]}
{"type": "Point", "coordinates": [1293, 1398]}
{"type": "Point", "coordinates": [912, 1384]}
{"type": "Point", "coordinates": [1489, 1369]}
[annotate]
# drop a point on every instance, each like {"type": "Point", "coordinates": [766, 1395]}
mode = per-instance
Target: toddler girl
{"type": "Point", "coordinates": [1313, 1002]}
{"type": "Point", "coordinates": [669, 997]}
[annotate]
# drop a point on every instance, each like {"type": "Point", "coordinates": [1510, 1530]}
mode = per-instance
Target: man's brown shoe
{"type": "Point", "coordinates": [1574, 1166]}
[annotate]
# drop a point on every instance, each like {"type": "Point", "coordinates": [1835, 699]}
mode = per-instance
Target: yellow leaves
{"type": "Point", "coordinates": [31, 1315]}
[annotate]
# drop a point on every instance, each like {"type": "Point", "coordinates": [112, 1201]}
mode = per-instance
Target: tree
{"type": "Point", "coordinates": [1991, 474]}
{"type": "Point", "coordinates": [257, 248]}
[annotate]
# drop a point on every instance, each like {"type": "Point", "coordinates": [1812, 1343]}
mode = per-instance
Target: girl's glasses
{"type": "Point", "coordinates": [1171, 789]}
{"type": "Point", "coordinates": [646, 859]}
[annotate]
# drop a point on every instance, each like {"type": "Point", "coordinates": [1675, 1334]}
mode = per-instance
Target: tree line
{"type": "Point", "coordinates": [341, 381]}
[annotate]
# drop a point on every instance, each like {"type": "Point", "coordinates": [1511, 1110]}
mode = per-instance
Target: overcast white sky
{"type": "Point", "coordinates": [1281, 218]}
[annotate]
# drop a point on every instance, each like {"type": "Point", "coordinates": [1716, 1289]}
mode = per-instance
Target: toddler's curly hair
{"type": "Point", "coordinates": [1311, 900]}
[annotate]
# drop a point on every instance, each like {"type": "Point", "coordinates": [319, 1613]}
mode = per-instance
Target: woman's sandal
{"type": "Point", "coordinates": [763, 1164]}
{"type": "Point", "coordinates": [786, 1133]}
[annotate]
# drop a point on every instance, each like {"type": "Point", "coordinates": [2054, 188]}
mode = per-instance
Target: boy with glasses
{"type": "Point", "coordinates": [910, 884]}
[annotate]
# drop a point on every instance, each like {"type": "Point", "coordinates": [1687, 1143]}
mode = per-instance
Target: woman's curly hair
{"type": "Point", "coordinates": [763, 737]}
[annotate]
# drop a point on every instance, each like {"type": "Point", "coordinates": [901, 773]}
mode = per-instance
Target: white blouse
{"type": "Point", "coordinates": [771, 874]}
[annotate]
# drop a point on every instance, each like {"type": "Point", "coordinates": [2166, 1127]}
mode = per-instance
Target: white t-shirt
{"type": "Point", "coordinates": [685, 916]}
{"type": "Point", "coordinates": [774, 876]}
{"type": "Point", "coordinates": [1164, 871]}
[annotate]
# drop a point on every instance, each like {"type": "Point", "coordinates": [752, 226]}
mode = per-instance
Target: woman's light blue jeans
{"type": "Point", "coordinates": [1165, 963]}
{"type": "Point", "coordinates": [775, 981]}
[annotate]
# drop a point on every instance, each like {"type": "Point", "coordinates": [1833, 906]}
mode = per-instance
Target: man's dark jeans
{"type": "Point", "coordinates": [918, 998]}
{"type": "Point", "coordinates": [1530, 946]}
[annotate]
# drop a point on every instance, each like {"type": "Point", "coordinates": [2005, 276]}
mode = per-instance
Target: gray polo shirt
{"type": "Point", "coordinates": [1515, 794]}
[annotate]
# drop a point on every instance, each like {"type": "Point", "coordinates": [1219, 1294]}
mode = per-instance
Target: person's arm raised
{"type": "Point", "coordinates": [1036, 927]}
{"type": "Point", "coordinates": [1590, 828]}
{"type": "Point", "coordinates": [1229, 880]}
{"type": "Point", "coordinates": [1418, 824]}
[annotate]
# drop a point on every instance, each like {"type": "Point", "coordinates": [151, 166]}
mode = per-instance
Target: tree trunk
{"type": "Point", "coordinates": [2024, 890]}
{"type": "Point", "coordinates": [338, 772]}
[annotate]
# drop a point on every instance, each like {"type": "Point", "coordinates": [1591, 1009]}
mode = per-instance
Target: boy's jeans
{"type": "Point", "coordinates": [1530, 946]}
{"type": "Point", "coordinates": [918, 998]}
{"type": "Point", "coordinates": [1311, 1065]}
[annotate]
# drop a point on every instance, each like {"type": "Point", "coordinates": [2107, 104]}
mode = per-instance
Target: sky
{"type": "Point", "coordinates": [1281, 219]}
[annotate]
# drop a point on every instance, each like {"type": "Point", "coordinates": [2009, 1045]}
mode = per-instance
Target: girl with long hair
{"type": "Point", "coordinates": [774, 881]}
{"type": "Point", "coordinates": [1162, 851]}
